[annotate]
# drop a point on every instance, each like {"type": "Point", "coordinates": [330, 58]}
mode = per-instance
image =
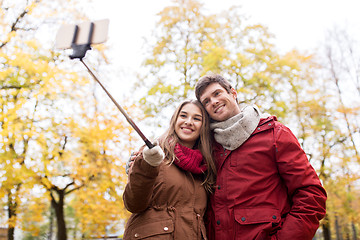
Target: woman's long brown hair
{"type": "Point", "coordinates": [203, 143]}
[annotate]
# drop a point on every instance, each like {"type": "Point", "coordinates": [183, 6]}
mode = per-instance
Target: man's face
{"type": "Point", "coordinates": [219, 104]}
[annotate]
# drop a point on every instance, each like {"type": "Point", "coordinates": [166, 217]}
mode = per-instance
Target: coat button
{"type": "Point", "coordinates": [259, 128]}
{"type": "Point", "coordinates": [218, 222]}
{"type": "Point", "coordinates": [166, 229]}
{"type": "Point", "coordinates": [274, 217]}
{"type": "Point", "coordinates": [136, 235]}
{"type": "Point", "coordinates": [269, 124]}
{"type": "Point", "coordinates": [243, 219]}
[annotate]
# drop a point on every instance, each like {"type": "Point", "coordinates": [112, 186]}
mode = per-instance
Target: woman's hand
{"type": "Point", "coordinates": [153, 156]}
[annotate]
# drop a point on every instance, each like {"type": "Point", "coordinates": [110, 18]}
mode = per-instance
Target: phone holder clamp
{"type": "Point", "coordinates": [79, 50]}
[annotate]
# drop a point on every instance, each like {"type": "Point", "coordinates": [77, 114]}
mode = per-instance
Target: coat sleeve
{"type": "Point", "coordinates": [138, 191]}
{"type": "Point", "coordinates": [306, 193]}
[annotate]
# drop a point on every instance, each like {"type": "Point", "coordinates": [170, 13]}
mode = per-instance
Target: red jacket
{"type": "Point", "coordinates": [266, 189]}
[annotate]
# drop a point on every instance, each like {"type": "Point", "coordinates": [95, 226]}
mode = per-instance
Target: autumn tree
{"type": "Point", "coordinates": [175, 48]}
{"type": "Point", "coordinates": [21, 76]}
{"type": "Point", "coordinates": [48, 113]}
{"type": "Point", "coordinates": [189, 43]}
{"type": "Point", "coordinates": [17, 125]}
{"type": "Point", "coordinates": [81, 160]}
{"type": "Point", "coordinates": [341, 68]}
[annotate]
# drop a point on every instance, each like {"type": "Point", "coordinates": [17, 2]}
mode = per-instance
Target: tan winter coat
{"type": "Point", "coordinates": [166, 202]}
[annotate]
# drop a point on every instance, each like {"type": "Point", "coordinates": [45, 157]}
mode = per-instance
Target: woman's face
{"type": "Point", "coordinates": [188, 124]}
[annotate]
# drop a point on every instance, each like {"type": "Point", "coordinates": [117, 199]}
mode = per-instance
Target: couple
{"type": "Point", "coordinates": [249, 174]}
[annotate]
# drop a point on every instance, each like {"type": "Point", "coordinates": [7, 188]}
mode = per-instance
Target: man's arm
{"type": "Point", "coordinates": [307, 195]}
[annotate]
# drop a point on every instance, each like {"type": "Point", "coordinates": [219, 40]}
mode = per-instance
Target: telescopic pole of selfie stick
{"type": "Point", "coordinates": [79, 52]}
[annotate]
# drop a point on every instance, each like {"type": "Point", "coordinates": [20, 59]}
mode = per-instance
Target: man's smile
{"type": "Point", "coordinates": [219, 108]}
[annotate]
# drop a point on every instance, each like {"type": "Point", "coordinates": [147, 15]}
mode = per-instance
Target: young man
{"type": "Point", "coordinates": [266, 187]}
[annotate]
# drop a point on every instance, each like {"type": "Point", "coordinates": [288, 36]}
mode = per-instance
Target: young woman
{"type": "Point", "coordinates": [168, 184]}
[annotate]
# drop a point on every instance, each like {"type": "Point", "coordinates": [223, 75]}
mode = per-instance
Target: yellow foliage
{"type": "Point", "coordinates": [11, 222]}
{"type": "Point", "coordinates": [49, 132]}
{"type": "Point", "coordinates": [34, 44]}
{"type": "Point", "coordinates": [96, 209]}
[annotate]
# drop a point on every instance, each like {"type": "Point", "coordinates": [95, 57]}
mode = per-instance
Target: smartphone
{"type": "Point", "coordinates": [65, 35]}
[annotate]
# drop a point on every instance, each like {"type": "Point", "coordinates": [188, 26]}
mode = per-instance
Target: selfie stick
{"type": "Point", "coordinates": [79, 51]}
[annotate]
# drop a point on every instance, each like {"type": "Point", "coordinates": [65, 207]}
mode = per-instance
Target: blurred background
{"type": "Point", "coordinates": [64, 145]}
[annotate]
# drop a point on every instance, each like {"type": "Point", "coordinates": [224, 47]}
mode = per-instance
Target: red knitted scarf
{"type": "Point", "coordinates": [189, 159]}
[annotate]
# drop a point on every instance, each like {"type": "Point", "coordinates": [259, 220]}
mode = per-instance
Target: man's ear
{"type": "Point", "coordinates": [233, 93]}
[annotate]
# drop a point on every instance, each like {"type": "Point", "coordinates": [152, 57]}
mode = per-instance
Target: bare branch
{"type": "Point", "coordinates": [14, 26]}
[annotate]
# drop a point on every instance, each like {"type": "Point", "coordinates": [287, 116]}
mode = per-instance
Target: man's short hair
{"type": "Point", "coordinates": [206, 80]}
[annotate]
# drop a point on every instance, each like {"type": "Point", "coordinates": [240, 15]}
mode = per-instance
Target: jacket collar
{"type": "Point", "coordinates": [220, 153]}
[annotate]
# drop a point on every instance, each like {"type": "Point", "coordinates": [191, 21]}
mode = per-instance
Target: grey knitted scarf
{"type": "Point", "coordinates": [236, 130]}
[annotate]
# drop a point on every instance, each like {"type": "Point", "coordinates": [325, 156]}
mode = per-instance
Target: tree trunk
{"type": "Point", "coordinates": [354, 233]}
{"type": "Point", "coordinates": [11, 232]}
{"type": "Point", "coordinates": [12, 205]}
{"type": "Point", "coordinates": [326, 228]}
{"type": "Point", "coordinates": [337, 229]}
{"type": "Point", "coordinates": [50, 236]}
{"type": "Point", "coordinates": [60, 217]}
